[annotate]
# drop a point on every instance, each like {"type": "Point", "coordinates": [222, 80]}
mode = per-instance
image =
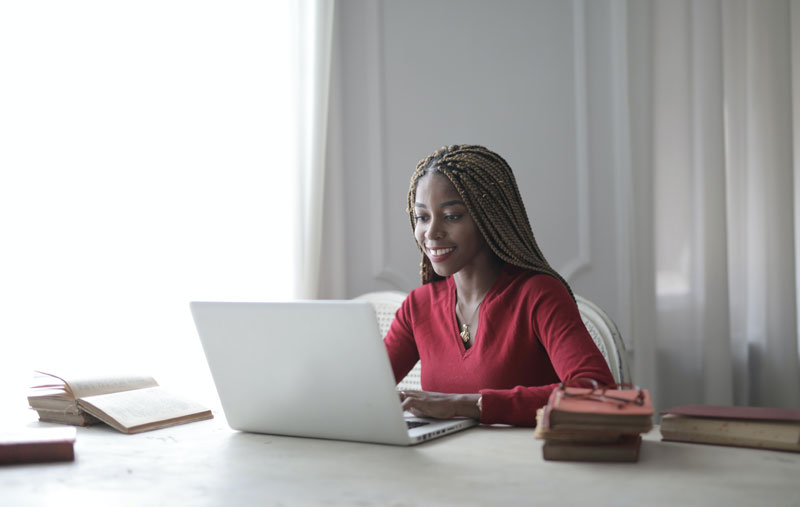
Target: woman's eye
{"type": "Point", "coordinates": [421, 218]}
{"type": "Point", "coordinates": [452, 218]}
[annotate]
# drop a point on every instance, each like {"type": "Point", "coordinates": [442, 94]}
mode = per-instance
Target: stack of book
{"type": "Point", "coordinates": [127, 403]}
{"type": "Point", "coordinates": [759, 427]}
{"type": "Point", "coordinates": [594, 424]}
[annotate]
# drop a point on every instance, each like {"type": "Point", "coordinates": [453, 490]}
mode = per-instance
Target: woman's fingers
{"type": "Point", "coordinates": [425, 404]}
{"type": "Point", "coordinates": [440, 405]}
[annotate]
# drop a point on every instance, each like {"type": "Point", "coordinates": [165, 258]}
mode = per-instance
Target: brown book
{"type": "Point", "coordinates": [626, 449]}
{"type": "Point", "coordinates": [37, 445]}
{"type": "Point", "coordinates": [758, 427]}
{"type": "Point", "coordinates": [128, 403]}
{"type": "Point", "coordinates": [542, 432]}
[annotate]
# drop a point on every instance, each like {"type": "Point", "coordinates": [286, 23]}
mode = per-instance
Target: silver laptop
{"type": "Point", "coordinates": [308, 369]}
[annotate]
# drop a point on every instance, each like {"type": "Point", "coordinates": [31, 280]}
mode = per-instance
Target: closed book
{"type": "Point", "coordinates": [758, 427]}
{"type": "Point", "coordinates": [542, 432]}
{"type": "Point", "coordinates": [37, 445]}
{"type": "Point", "coordinates": [620, 410]}
{"type": "Point", "coordinates": [626, 449]}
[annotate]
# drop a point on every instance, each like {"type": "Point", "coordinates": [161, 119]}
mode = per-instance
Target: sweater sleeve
{"type": "Point", "coordinates": [557, 324]}
{"type": "Point", "coordinates": [400, 344]}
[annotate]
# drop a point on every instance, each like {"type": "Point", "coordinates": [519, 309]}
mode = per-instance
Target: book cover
{"type": "Point", "coordinates": [37, 445]}
{"type": "Point", "coordinates": [584, 400]}
{"type": "Point", "coordinates": [624, 450]}
{"type": "Point", "coordinates": [623, 410]}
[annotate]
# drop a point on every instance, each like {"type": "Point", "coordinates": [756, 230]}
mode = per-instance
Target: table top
{"type": "Point", "coordinates": [207, 463]}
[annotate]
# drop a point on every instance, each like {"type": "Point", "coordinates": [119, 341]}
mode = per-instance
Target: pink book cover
{"type": "Point", "coordinates": [562, 399]}
{"type": "Point", "coordinates": [733, 412]}
{"type": "Point", "coordinates": [583, 402]}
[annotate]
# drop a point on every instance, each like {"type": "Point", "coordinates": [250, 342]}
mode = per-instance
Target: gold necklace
{"type": "Point", "coordinates": [465, 336]}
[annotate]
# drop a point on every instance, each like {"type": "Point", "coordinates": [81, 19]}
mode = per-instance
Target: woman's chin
{"type": "Point", "coordinates": [441, 270]}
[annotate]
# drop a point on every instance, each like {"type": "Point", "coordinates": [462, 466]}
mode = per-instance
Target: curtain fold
{"type": "Point", "coordinates": [724, 202]}
{"type": "Point", "coordinates": [315, 18]}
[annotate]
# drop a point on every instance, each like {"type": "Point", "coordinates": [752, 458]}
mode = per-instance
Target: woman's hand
{"type": "Point", "coordinates": [440, 405]}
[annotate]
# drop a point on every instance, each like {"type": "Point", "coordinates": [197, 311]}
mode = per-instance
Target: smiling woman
{"type": "Point", "coordinates": [445, 229]}
{"type": "Point", "coordinates": [142, 146]}
{"type": "Point", "coordinates": [494, 327]}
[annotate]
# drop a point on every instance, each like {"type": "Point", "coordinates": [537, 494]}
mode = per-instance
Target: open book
{"type": "Point", "coordinates": [130, 404]}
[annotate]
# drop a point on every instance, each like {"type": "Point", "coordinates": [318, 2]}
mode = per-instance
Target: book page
{"type": "Point", "coordinates": [715, 438]}
{"type": "Point", "coordinates": [768, 431]}
{"type": "Point", "coordinates": [140, 407]}
{"type": "Point", "coordinates": [92, 385]}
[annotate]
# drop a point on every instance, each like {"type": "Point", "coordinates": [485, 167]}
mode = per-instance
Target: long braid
{"type": "Point", "coordinates": [485, 182]}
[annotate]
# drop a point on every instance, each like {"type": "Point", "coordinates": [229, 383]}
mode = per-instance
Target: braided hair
{"type": "Point", "coordinates": [485, 182]}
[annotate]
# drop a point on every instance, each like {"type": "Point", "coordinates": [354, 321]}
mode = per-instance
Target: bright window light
{"type": "Point", "coordinates": [146, 155]}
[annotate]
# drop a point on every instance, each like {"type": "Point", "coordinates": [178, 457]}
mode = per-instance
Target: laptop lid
{"type": "Point", "coordinates": [304, 368]}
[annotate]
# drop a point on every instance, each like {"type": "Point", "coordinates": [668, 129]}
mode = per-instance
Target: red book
{"type": "Point", "coordinates": [37, 445]}
{"type": "Point", "coordinates": [621, 410]}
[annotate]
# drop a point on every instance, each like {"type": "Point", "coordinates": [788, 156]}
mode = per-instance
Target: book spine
{"type": "Point", "coordinates": [37, 452]}
{"type": "Point", "coordinates": [706, 438]}
{"type": "Point", "coordinates": [768, 431]}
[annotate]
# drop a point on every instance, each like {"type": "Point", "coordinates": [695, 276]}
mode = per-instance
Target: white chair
{"type": "Point", "coordinates": [600, 326]}
{"type": "Point", "coordinates": [607, 338]}
{"type": "Point", "coordinates": [386, 304]}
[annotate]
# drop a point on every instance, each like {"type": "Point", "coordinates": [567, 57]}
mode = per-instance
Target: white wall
{"type": "Point", "coordinates": [537, 81]}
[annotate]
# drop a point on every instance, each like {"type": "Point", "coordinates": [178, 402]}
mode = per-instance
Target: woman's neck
{"type": "Point", "coordinates": [473, 283]}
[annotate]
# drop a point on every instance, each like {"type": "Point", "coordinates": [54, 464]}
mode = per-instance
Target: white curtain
{"type": "Point", "coordinates": [147, 159]}
{"type": "Point", "coordinates": [314, 68]}
{"type": "Point", "coordinates": [720, 127]}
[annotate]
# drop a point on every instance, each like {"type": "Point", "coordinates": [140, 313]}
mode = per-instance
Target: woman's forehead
{"type": "Point", "coordinates": [436, 186]}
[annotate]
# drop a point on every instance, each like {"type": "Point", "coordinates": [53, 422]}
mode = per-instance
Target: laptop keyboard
{"type": "Point", "coordinates": [416, 424]}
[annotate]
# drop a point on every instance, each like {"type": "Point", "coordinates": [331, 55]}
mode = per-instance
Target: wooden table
{"type": "Point", "coordinates": [206, 463]}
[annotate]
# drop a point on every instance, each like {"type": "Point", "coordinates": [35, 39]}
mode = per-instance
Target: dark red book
{"type": "Point", "coordinates": [37, 445]}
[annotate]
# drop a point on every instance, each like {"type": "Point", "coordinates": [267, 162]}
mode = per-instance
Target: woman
{"type": "Point", "coordinates": [495, 327]}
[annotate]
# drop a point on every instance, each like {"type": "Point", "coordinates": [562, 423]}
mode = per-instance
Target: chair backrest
{"type": "Point", "coordinates": [607, 338]}
{"type": "Point", "coordinates": [386, 304]}
{"type": "Point", "coordinates": [600, 326]}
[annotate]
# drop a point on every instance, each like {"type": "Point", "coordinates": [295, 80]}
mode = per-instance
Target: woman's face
{"type": "Point", "coordinates": [445, 229]}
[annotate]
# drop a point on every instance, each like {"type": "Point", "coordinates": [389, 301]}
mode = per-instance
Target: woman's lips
{"type": "Point", "coordinates": [440, 254]}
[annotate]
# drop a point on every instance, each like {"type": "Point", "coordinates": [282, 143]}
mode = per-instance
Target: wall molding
{"type": "Point", "coordinates": [582, 260]}
{"type": "Point", "coordinates": [623, 165]}
{"type": "Point", "coordinates": [381, 269]}
{"type": "Point", "coordinates": [376, 82]}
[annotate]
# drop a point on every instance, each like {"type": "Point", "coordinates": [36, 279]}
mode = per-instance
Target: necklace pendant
{"type": "Point", "coordinates": [465, 337]}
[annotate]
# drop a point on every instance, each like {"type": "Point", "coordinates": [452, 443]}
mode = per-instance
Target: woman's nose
{"type": "Point", "coordinates": [435, 231]}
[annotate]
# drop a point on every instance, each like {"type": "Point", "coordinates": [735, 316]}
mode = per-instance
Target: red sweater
{"type": "Point", "coordinates": [530, 337]}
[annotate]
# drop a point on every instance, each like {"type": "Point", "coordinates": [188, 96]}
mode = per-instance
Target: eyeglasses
{"type": "Point", "coordinates": [589, 389]}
